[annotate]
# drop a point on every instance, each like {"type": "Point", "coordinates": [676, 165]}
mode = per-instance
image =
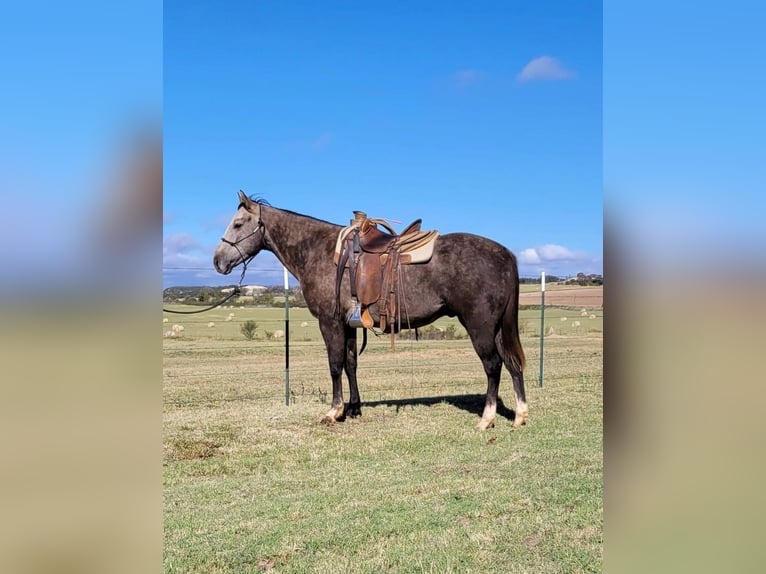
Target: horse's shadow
{"type": "Point", "coordinates": [471, 403]}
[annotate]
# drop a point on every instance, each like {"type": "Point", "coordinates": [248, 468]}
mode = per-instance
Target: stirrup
{"type": "Point", "coordinates": [354, 318]}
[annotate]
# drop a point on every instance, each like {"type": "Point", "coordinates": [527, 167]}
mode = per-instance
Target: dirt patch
{"type": "Point", "coordinates": [589, 297]}
{"type": "Point", "coordinates": [184, 449]}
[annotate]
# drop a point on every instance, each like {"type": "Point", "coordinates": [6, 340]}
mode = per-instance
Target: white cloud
{"type": "Point", "coordinates": [529, 256]}
{"type": "Point", "coordinates": [551, 252]}
{"type": "Point", "coordinates": [544, 68]}
{"type": "Point", "coordinates": [182, 250]}
{"type": "Point", "coordinates": [548, 253]}
{"type": "Point", "coordinates": [180, 241]}
{"type": "Point", "coordinates": [187, 262]}
{"type": "Point", "coordinates": [557, 260]}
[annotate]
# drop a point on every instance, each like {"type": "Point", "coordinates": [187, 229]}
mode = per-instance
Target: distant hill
{"type": "Point", "coordinates": [581, 279]}
{"type": "Point", "coordinates": [178, 294]}
{"type": "Point", "coordinates": [251, 294]}
{"type": "Point", "coordinates": [273, 295]}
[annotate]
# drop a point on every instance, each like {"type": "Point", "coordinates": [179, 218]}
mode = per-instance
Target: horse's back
{"type": "Point", "coordinates": [463, 269]}
{"type": "Point", "coordinates": [469, 253]}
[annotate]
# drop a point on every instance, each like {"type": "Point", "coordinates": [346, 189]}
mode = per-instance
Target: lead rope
{"type": "Point", "coordinates": [238, 289]}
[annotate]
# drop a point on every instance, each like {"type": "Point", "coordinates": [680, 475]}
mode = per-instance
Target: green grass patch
{"type": "Point", "coordinates": [251, 485]}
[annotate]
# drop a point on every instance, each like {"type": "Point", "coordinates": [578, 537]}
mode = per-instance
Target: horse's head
{"type": "Point", "coordinates": [243, 238]}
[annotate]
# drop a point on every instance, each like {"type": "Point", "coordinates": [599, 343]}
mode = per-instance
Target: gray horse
{"type": "Point", "coordinates": [468, 276]}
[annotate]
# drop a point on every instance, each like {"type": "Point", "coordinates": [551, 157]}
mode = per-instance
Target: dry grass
{"type": "Point", "coordinates": [252, 485]}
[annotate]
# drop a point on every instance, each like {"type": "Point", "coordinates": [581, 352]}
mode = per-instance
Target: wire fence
{"type": "Point", "coordinates": [209, 366]}
{"type": "Point", "coordinates": [266, 272]}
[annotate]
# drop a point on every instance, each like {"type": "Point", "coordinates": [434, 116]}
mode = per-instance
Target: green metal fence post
{"type": "Point", "coordinates": [287, 341]}
{"type": "Point", "coordinates": [542, 325]}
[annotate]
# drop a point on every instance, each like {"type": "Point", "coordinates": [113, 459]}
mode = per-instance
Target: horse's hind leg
{"type": "Point", "coordinates": [493, 366]}
{"type": "Point", "coordinates": [522, 410]}
{"type": "Point", "coordinates": [354, 407]}
{"type": "Point", "coordinates": [484, 345]}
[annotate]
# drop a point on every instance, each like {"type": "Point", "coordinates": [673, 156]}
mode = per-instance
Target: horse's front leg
{"type": "Point", "coordinates": [333, 334]}
{"type": "Point", "coordinates": [354, 408]}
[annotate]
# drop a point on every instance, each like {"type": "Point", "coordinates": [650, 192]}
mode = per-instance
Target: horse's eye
{"type": "Point", "coordinates": [237, 225]}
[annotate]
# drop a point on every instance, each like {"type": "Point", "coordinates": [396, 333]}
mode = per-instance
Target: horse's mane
{"type": "Point", "coordinates": [256, 199]}
{"type": "Point", "coordinates": [259, 199]}
{"type": "Point", "coordinates": [262, 201]}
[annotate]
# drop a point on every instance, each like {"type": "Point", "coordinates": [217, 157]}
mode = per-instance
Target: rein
{"type": "Point", "coordinates": [238, 288]}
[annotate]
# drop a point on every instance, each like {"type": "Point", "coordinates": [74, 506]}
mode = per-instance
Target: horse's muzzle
{"type": "Point", "coordinates": [222, 268]}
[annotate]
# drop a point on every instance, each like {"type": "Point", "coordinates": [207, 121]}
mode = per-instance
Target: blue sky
{"type": "Point", "coordinates": [684, 134]}
{"type": "Point", "coordinates": [311, 109]}
{"type": "Point", "coordinates": [479, 118]}
{"type": "Point", "coordinates": [78, 79]}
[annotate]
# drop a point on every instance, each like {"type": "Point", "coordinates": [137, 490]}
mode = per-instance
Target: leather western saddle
{"type": "Point", "coordinates": [374, 257]}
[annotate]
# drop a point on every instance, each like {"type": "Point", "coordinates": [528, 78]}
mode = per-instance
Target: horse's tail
{"type": "Point", "coordinates": [509, 342]}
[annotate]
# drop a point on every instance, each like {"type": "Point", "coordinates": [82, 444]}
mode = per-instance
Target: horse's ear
{"type": "Point", "coordinates": [243, 199]}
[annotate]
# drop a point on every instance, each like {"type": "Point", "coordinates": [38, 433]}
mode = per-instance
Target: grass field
{"type": "Point", "coordinates": [251, 485]}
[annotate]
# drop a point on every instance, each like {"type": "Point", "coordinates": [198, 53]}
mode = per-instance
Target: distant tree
{"type": "Point", "coordinates": [537, 280]}
{"type": "Point", "coordinates": [586, 280]}
{"type": "Point", "coordinates": [266, 299]}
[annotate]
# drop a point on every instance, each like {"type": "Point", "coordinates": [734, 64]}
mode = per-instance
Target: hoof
{"type": "Point", "coordinates": [333, 416]}
{"type": "Point", "coordinates": [354, 410]}
{"type": "Point", "coordinates": [520, 420]}
{"type": "Point", "coordinates": [485, 424]}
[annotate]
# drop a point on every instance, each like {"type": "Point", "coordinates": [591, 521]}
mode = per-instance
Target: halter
{"type": "Point", "coordinates": [245, 260]}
